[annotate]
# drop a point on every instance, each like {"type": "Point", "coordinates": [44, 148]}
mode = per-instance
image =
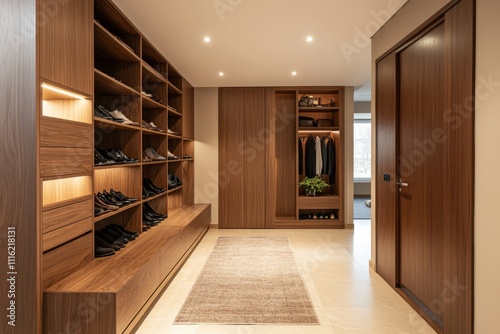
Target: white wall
{"type": "Point", "coordinates": [349, 156]}
{"type": "Point", "coordinates": [206, 148]}
{"type": "Point", "coordinates": [362, 188]}
{"type": "Point", "coordinates": [487, 181]}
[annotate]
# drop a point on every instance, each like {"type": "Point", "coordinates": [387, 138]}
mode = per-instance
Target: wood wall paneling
{"type": "Point", "coordinates": [231, 163]}
{"type": "Point", "coordinates": [187, 109]}
{"type": "Point", "coordinates": [459, 165]}
{"type": "Point", "coordinates": [55, 132]}
{"type": "Point", "coordinates": [254, 148]}
{"type": "Point", "coordinates": [285, 154]}
{"type": "Point", "coordinates": [61, 190]}
{"type": "Point", "coordinates": [65, 33]}
{"type": "Point", "coordinates": [386, 191]}
{"type": "Point", "coordinates": [71, 110]}
{"type": "Point", "coordinates": [61, 162]}
{"type": "Point", "coordinates": [66, 233]}
{"type": "Point", "coordinates": [63, 216]}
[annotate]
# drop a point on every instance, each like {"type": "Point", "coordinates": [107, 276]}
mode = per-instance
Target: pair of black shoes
{"type": "Point", "coordinates": [111, 157]}
{"type": "Point", "coordinates": [115, 198]}
{"type": "Point", "coordinates": [150, 189]}
{"type": "Point", "coordinates": [173, 181]}
{"type": "Point", "coordinates": [150, 217]}
{"type": "Point", "coordinates": [102, 112]}
{"type": "Point", "coordinates": [111, 239]}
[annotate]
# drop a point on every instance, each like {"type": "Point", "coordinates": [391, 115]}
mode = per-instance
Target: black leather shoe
{"type": "Point", "coordinates": [147, 208]}
{"type": "Point", "coordinates": [115, 236]}
{"type": "Point", "coordinates": [121, 197]}
{"type": "Point", "coordinates": [102, 252]}
{"type": "Point", "coordinates": [101, 243]}
{"type": "Point", "coordinates": [106, 113]}
{"type": "Point", "coordinates": [98, 113]}
{"type": "Point", "coordinates": [124, 230]}
{"type": "Point", "coordinates": [129, 236]}
{"type": "Point", "coordinates": [99, 160]}
{"type": "Point", "coordinates": [109, 240]}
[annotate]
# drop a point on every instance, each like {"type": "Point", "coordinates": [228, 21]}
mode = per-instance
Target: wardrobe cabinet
{"type": "Point", "coordinates": [259, 161]}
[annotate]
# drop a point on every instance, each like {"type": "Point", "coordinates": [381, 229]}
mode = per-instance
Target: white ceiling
{"type": "Point", "coordinates": [260, 42]}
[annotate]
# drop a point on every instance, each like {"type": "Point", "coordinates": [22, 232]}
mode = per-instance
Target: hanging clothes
{"type": "Point", "coordinates": [301, 156]}
{"type": "Point", "coordinates": [319, 159]}
{"type": "Point", "coordinates": [324, 155]}
{"type": "Point", "coordinates": [331, 166]}
{"type": "Point", "coordinates": [310, 156]}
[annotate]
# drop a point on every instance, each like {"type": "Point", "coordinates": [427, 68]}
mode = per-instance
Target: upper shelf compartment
{"type": "Point", "coordinates": [175, 78]}
{"type": "Point", "coordinates": [109, 46]}
{"type": "Point", "coordinates": [153, 61]}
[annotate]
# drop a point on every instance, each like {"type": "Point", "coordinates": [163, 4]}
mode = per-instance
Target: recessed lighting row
{"type": "Point", "coordinates": [207, 39]}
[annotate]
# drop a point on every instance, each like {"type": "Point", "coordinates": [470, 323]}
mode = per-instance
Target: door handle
{"type": "Point", "coordinates": [401, 184]}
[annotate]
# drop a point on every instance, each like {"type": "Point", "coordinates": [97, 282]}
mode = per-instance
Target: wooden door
{"type": "Point", "coordinates": [421, 172]}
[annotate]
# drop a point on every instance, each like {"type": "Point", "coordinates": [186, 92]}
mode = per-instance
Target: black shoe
{"type": "Point", "coordinates": [124, 230]}
{"type": "Point", "coordinates": [147, 208]}
{"type": "Point", "coordinates": [101, 243]}
{"type": "Point", "coordinates": [102, 252]}
{"type": "Point", "coordinates": [115, 235]}
{"type": "Point", "coordinates": [121, 197]}
{"type": "Point", "coordinates": [98, 113]}
{"type": "Point", "coordinates": [129, 236]}
{"type": "Point", "coordinates": [99, 160]}
{"type": "Point", "coordinates": [109, 240]}
{"type": "Point", "coordinates": [106, 113]}
{"type": "Point", "coordinates": [151, 186]}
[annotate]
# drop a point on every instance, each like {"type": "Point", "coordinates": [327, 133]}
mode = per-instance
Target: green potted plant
{"type": "Point", "coordinates": [313, 185]}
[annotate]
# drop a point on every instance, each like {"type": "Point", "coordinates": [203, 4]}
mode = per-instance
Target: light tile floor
{"type": "Point", "coordinates": [348, 298]}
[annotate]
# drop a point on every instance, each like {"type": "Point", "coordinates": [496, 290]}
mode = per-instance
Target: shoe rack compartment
{"type": "Point", "coordinates": [127, 141]}
{"type": "Point", "coordinates": [158, 117]}
{"type": "Point", "coordinates": [129, 216]}
{"type": "Point", "coordinates": [157, 143]}
{"type": "Point", "coordinates": [153, 83]}
{"type": "Point", "coordinates": [175, 147]}
{"type": "Point", "coordinates": [129, 105]}
{"type": "Point", "coordinates": [188, 148]}
{"type": "Point", "coordinates": [62, 261]}
{"type": "Point", "coordinates": [175, 78]}
{"type": "Point", "coordinates": [175, 98]}
{"type": "Point", "coordinates": [61, 224]}
{"type": "Point", "coordinates": [158, 174]}
{"type": "Point", "coordinates": [128, 180]}
{"type": "Point", "coordinates": [153, 59]}
{"type": "Point", "coordinates": [112, 46]}
{"type": "Point", "coordinates": [175, 196]}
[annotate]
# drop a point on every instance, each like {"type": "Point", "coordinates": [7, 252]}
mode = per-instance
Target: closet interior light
{"type": "Point", "coordinates": [207, 39]}
{"type": "Point", "coordinates": [63, 91]}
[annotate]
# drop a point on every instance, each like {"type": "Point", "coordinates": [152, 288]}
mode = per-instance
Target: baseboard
{"type": "Point", "coordinates": [372, 266]}
{"type": "Point", "coordinates": [349, 226]}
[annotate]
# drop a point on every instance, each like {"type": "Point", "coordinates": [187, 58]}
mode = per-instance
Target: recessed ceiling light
{"type": "Point", "coordinates": [309, 39]}
{"type": "Point", "coordinates": [207, 39]}
{"type": "Point", "coordinates": [221, 74]}
{"type": "Point", "coordinates": [294, 73]}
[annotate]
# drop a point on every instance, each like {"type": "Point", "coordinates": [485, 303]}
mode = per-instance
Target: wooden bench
{"type": "Point", "coordinates": [113, 294]}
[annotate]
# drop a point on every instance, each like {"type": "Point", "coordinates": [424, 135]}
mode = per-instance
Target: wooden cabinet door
{"type": "Point", "coordinates": [243, 140]}
{"type": "Point", "coordinates": [66, 30]}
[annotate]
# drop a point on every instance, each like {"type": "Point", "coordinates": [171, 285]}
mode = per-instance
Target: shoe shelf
{"type": "Point", "coordinates": [117, 166]}
{"type": "Point", "coordinates": [114, 213]}
{"type": "Point", "coordinates": [149, 199]}
{"type": "Point", "coordinates": [151, 74]}
{"type": "Point", "coordinates": [107, 125]}
{"type": "Point", "coordinates": [148, 132]}
{"type": "Point", "coordinates": [153, 58]}
{"type": "Point", "coordinates": [110, 46]}
{"type": "Point", "coordinates": [149, 103]}
{"type": "Point", "coordinates": [107, 85]}
{"type": "Point", "coordinates": [318, 129]}
{"type": "Point", "coordinates": [318, 109]}
{"type": "Point", "coordinates": [154, 162]}
{"type": "Point", "coordinates": [172, 89]}
{"type": "Point", "coordinates": [174, 79]}
{"type": "Point", "coordinates": [174, 189]}
{"type": "Point", "coordinates": [175, 137]}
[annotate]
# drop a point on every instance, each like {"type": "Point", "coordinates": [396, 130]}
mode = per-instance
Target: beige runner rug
{"type": "Point", "coordinates": [249, 280]}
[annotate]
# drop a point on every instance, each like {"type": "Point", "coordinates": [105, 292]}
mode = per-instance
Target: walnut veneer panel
{"type": "Point", "coordinates": [386, 191]}
{"type": "Point", "coordinates": [319, 202]}
{"type": "Point", "coordinates": [61, 190]}
{"type": "Point", "coordinates": [64, 260]}
{"type": "Point", "coordinates": [18, 143]}
{"type": "Point", "coordinates": [188, 182]}
{"type": "Point", "coordinates": [70, 110]}
{"type": "Point", "coordinates": [285, 153]}
{"type": "Point", "coordinates": [60, 162]}
{"type": "Point", "coordinates": [187, 109]}
{"type": "Point", "coordinates": [64, 234]}
{"type": "Point", "coordinates": [66, 215]}
{"type": "Point", "coordinates": [173, 250]}
{"type": "Point", "coordinates": [55, 132]}
{"type": "Point", "coordinates": [66, 43]}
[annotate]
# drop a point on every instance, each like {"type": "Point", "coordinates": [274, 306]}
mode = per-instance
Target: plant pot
{"type": "Point", "coordinates": [311, 192]}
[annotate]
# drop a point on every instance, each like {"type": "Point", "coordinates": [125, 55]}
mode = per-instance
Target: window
{"type": "Point", "coordinates": [362, 146]}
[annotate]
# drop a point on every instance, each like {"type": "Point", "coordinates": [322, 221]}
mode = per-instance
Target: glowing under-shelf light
{"type": "Point", "coordinates": [62, 91]}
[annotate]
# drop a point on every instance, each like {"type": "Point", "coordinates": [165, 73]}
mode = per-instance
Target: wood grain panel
{"type": "Point", "coordinates": [188, 182]}
{"type": "Point", "coordinates": [386, 193]}
{"type": "Point", "coordinates": [172, 252]}
{"type": "Point", "coordinates": [62, 261]}
{"type": "Point", "coordinates": [60, 217]}
{"type": "Point", "coordinates": [18, 177]}
{"type": "Point", "coordinates": [137, 290]}
{"type": "Point", "coordinates": [459, 166]}
{"type": "Point", "coordinates": [56, 132]}
{"type": "Point", "coordinates": [187, 109]}
{"type": "Point", "coordinates": [64, 234]}
{"type": "Point", "coordinates": [79, 313]}
{"type": "Point", "coordinates": [66, 43]}
{"type": "Point", "coordinates": [421, 166]}
{"type": "Point", "coordinates": [285, 154]}
{"type": "Point", "coordinates": [319, 202]}
{"type": "Point", "coordinates": [63, 162]}
{"type": "Point", "coordinates": [61, 190]}
{"type": "Point", "coordinates": [231, 161]}
{"type": "Point", "coordinates": [70, 110]}
{"type": "Point", "coordinates": [254, 147]}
